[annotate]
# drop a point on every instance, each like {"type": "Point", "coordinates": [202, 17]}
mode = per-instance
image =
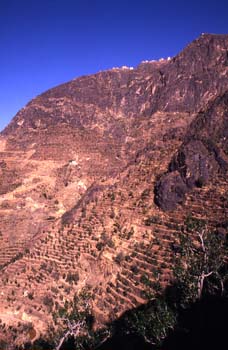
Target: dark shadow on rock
{"type": "Point", "coordinates": [127, 342]}
{"type": "Point", "coordinates": [202, 326]}
{"type": "Point", "coordinates": [201, 157]}
{"type": "Point", "coordinates": [68, 344]}
{"type": "Point", "coordinates": [170, 190]}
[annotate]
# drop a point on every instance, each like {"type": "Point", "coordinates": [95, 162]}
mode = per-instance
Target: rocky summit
{"type": "Point", "coordinates": [97, 178]}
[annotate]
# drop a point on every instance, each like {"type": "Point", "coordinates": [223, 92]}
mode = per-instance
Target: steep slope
{"type": "Point", "coordinates": [79, 166]}
{"type": "Point", "coordinates": [203, 155]}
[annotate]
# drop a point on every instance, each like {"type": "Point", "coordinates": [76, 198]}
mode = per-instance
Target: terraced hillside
{"type": "Point", "coordinates": [97, 178]}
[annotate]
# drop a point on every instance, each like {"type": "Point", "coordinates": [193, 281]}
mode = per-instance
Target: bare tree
{"type": "Point", "coordinates": [72, 319]}
{"type": "Point", "coordinates": [74, 329]}
{"type": "Point", "coordinates": [201, 259]}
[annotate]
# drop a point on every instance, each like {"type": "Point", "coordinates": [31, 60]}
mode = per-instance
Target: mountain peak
{"type": "Point", "coordinates": [213, 41]}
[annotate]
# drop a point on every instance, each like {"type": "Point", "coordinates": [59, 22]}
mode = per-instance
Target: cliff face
{"type": "Point", "coordinates": [97, 176]}
{"type": "Point", "coordinates": [202, 155]}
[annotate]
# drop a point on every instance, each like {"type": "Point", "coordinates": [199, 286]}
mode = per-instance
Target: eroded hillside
{"type": "Point", "coordinates": [97, 178]}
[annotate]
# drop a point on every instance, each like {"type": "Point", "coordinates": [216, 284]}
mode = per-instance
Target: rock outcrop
{"type": "Point", "coordinates": [203, 154]}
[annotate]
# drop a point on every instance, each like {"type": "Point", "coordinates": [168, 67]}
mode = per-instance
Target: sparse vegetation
{"type": "Point", "coordinates": [152, 220]}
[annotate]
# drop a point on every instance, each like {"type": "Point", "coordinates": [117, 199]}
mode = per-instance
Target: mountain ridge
{"type": "Point", "coordinates": [81, 166]}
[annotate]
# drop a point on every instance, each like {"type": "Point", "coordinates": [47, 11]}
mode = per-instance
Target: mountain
{"type": "Point", "coordinates": [97, 178]}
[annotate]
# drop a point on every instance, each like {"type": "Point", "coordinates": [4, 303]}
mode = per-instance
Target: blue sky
{"type": "Point", "coordinates": [46, 42]}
